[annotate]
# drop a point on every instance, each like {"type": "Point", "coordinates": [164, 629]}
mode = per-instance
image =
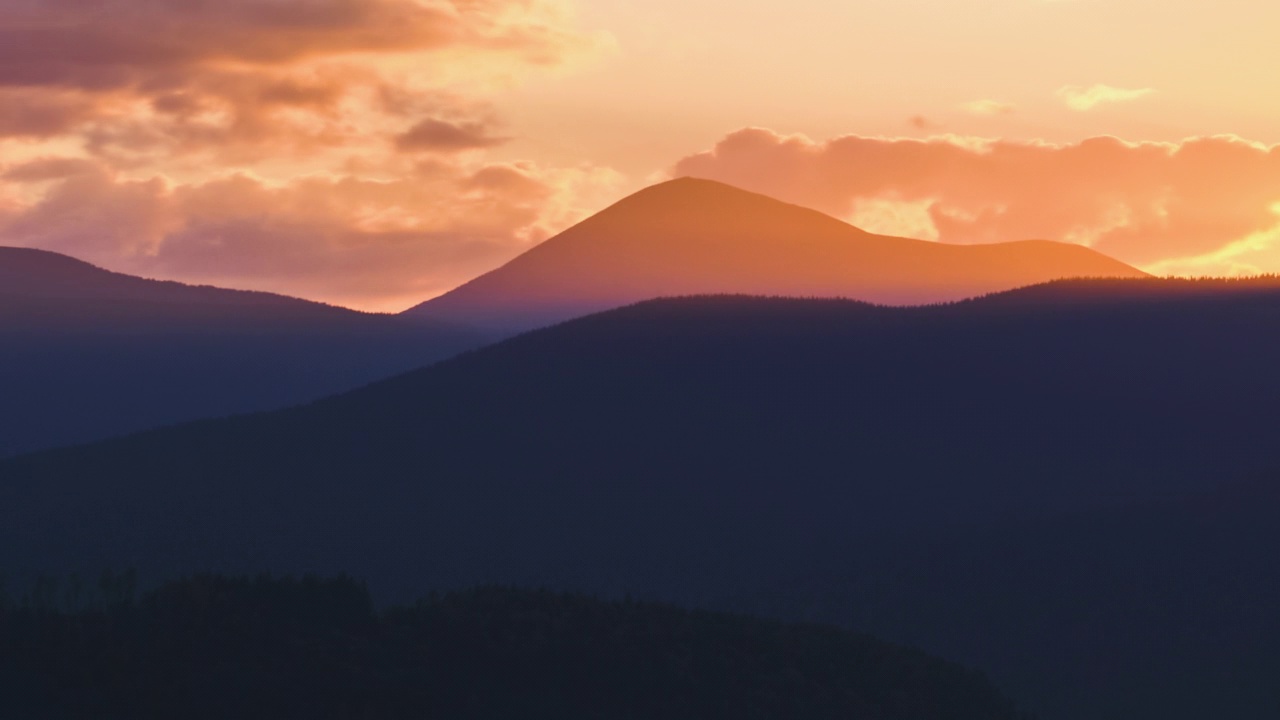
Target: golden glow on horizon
{"type": "Point", "coordinates": [1084, 99]}
{"type": "Point", "coordinates": [376, 153]}
{"type": "Point", "coordinates": [1251, 255]}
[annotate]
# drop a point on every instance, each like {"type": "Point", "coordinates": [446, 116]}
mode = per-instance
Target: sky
{"type": "Point", "coordinates": [376, 153]}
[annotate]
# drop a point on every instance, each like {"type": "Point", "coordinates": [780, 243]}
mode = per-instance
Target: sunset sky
{"type": "Point", "coordinates": [375, 153]}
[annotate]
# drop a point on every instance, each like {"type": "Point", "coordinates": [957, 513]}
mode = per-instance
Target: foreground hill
{"type": "Point", "coordinates": [693, 237]}
{"type": "Point", "coordinates": [226, 648]}
{"type": "Point", "coordinates": [86, 353]}
{"type": "Point", "coordinates": [1073, 486]}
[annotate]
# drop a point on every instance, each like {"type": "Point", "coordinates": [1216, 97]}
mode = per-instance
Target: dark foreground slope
{"type": "Point", "coordinates": [1073, 486]}
{"type": "Point", "coordinates": [693, 237]}
{"type": "Point", "coordinates": [87, 354]}
{"type": "Point", "coordinates": [314, 649]}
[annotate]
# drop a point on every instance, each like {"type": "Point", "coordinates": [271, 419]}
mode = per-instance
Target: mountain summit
{"type": "Point", "coordinates": [691, 237]}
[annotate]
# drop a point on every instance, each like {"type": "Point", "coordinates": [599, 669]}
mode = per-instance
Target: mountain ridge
{"type": "Point", "coordinates": [1008, 482]}
{"type": "Point", "coordinates": [48, 275]}
{"type": "Point", "coordinates": [88, 353]}
{"type": "Point", "coordinates": [692, 237]}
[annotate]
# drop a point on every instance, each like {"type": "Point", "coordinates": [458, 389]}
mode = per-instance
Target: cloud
{"type": "Point", "coordinates": [103, 44]}
{"type": "Point", "coordinates": [1083, 99]}
{"type": "Point", "coordinates": [988, 108]}
{"type": "Point", "coordinates": [1157, 205]}
{"type": "Point", "coordinates": [1254, 254]}
{"type": "Point", "coordinates": [50, 168]}
{"type": "Point", "coordinates": [372, 243]}
{"type": "Point", "coordinates": [334, 149]}
{"type": "Point", "coordinates": [144, 80]}
{"type": "Point", "coordinates": [27, 113]}
{"type": "Point", "coordinates": [439, 135]}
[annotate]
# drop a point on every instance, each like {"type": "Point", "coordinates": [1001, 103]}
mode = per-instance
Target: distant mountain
{"type": "Point", "coordinates": [216, 648]}
{"type": "Point", "coordinates": [1072, 486]}
{"type": "Point", "coordinates": [32, 273]}
{"type": "Point", "coordinates": [695, 237]}
{"type": "Point", "coordinates": [46, 292]}
{"type": "Point", "coordinates": [87, 354]}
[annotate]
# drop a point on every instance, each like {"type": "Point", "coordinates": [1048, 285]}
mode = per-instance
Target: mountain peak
{"type": "Point", "coordinates": [686, 184]}
{"type": "Point", "coordinates": [690, 236]}
{"type": "Point", "coordinates": [684, 199]}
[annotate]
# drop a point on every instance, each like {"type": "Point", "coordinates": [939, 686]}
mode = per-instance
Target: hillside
{"type": "Point", "coordinates": [87, 354]}
{"type": "Point", "coordinates": [1013, 482]}
{"type": "Point", "coordinates": [220, 648]}
{"type": "Point", "coordinates": [27, 274]}
{"type": "Point", "coordinates": [695, 237]}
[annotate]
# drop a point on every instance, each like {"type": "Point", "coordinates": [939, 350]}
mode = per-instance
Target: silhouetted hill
{"type": "Point", "coordinates": [693, 237]}
{"type": "Point", "coordinates": [87, 354]}
{"type": "Point", "coordinates": [27, 274]}
{"type": "Point", "coordinates": [1167, 292]}
{"type": "Point", "coordinates": [1072, 487]}
{"type": "Point", "coordinates": [236, 648]}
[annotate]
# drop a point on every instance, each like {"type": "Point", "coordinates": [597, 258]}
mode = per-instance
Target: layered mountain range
{"type": "Point", "coordinates": [93, 354]}
{"type": "Point", "coordinates": [697, 237]}
{"type": "Point", "coordinates": [87, 354]}
{"type": "Point", "coordinates": [1070, 484]}
{"type": "Point", "coordinates": [1018, 482]}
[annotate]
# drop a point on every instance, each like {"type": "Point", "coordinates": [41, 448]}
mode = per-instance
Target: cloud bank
{"type": "Point", "coordinates": [1206, 205]}
{"type": "Point", "coordinates": [335, 149]}
{"type": "Point", "coordinates": [137, 75]}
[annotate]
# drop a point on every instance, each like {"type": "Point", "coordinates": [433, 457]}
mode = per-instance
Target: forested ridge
{"type": "Point", "coordinates": [262, 647]}
{"type": "Point", "coordinates": [1071, 487]}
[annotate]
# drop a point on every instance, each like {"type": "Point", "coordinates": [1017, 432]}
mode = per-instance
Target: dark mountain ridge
{"type": "Point", "coordinates": [29, 273]}
{"type": "Point", "coordinates": [215, 647]}
{"type": "Point", "coordinates": [1019, 484]}
{"type": "Point", "coordinates": [87, 354]}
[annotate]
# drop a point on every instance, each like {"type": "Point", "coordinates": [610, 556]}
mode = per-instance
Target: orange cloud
{"type": "Point", "coordinates": [332, 149]}
{"type": "Point", "coordinates": [138, 81]}
{"type": "Point", "coordinates": [1086, 98]}
{"type": "Point", "coordinates": [101, 44]}
{"type": "Point", "coordinates": [988, 107]}
{"type": "Point", "coordinates": [1148, 204]}
{"type": "Point", "coordinates": [53, 168]}
{"type": "Point", "coordinates": [33, 113]}
{"type": "Point", "coordinates": [439, 135]}
{"type": "Point", "coordinates": [376, 244]}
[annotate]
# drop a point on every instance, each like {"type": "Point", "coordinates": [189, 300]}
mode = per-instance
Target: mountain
{"type": "Point", "coordinates": [216, 647]}
{"type": "Point", "coordinates": [1071, 486]}
{"type": "Point", "coordinates": [27, 273]}
{"type": "Point", "coordinates": [45, 292]}
{"type": "Point", "coordinates": [87, 354]}
{"type": "Point", "coordinates": [694, 237]}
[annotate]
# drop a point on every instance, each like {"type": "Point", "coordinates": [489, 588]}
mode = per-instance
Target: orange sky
{"type": "Point", "coordinates": [375, 153]}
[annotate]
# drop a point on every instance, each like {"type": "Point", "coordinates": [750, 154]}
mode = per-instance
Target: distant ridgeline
{"type": "Point", "coordinates": [87, 354]}
{"type": "Point", "coordinates": [220, 648]}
